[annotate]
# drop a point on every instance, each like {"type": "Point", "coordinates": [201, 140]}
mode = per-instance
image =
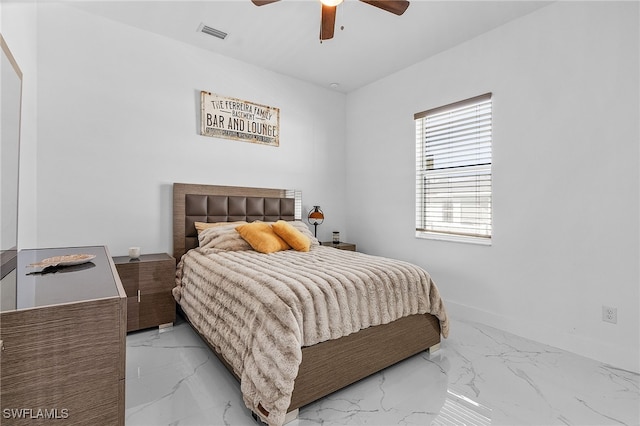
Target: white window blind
{"type": "Point", "coordinates": [453, 170]}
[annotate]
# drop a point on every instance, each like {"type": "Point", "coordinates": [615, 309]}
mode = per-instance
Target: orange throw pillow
{"type": "Point", "coordinates": [296, 239]}
{"type": "Point", "coordinates": [261, 237]}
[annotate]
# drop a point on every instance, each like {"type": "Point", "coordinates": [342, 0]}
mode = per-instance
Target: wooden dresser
{"type": "Point", "coordinates": [63, 338]}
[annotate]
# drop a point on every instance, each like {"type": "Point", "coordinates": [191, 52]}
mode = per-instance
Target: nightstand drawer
{"type": "Point", "coordinates": [148, 282]}
{"type": "Point", "coordinates": [157, 276]}
{"type": "Point", "coordinates": [156, 309]}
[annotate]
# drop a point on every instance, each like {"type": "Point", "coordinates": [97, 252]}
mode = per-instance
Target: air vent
{"type": "Point", "coordinates": [212, 31]}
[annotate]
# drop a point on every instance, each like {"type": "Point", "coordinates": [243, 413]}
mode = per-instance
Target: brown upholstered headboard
{"type": "Point", "coordinates": [212, 203]}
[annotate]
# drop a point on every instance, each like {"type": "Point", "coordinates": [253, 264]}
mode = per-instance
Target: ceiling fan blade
{"type": "Point", "coordinates": [396, 7]}
{"type": "Point", "coordinates": [263, 2]}
{"type": "Point", "coordinates": [328, 22]}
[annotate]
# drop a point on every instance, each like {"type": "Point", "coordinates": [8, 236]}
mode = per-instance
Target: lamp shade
{"type": "Point", "coordinates": [316, 215]}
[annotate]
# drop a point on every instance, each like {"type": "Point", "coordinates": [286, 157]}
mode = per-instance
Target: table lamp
{"type": "Point", "coordinates": [315, 218]}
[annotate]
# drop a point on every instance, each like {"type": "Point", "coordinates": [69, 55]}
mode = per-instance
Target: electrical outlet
{"type": "Point", "coordinates": [609, 314]}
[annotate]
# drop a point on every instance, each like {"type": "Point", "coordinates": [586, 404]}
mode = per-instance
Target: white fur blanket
{"type": "Point", "coordinates": [258, 310]}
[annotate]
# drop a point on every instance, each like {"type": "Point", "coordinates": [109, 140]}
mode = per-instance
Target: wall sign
{"type": "Point", "coordinates": [232, 118]}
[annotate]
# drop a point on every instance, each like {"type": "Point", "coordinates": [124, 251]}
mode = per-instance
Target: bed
{"type": "Point", "coordinates": [335, 358]}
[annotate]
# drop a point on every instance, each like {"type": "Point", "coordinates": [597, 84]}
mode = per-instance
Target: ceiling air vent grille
{"type": "Point", "coordinates": [212, 31]}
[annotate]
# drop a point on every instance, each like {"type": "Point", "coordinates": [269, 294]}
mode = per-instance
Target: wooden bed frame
{"type": "Point", "coordinates": [328, 366]}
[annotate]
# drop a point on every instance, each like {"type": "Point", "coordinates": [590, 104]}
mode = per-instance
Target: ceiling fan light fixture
{"type": "Point", "coordinates": [331, 3]}
{"type": "Point", "coordinates": [328, 17]}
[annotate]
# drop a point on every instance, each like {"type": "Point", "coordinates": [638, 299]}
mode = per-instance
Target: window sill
{"type": "Point", "coordinates": [453, 238]}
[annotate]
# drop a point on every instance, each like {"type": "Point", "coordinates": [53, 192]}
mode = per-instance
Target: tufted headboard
{"type": "Point", "coordinates": [211, 203]}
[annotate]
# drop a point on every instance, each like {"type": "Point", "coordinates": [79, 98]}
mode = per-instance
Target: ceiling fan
{"type": "Point", "coordinates": [328, 19]}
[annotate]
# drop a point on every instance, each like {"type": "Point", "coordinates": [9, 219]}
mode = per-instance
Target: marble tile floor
{"type": "Point", "coordinates": [480, 376]}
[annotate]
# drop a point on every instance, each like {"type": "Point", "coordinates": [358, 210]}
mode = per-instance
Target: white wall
{"type": "Point", "coordinates": [118, 123]}
{"type": "Point", "coordinates": [19, 28]}
{"type": "Point", "coordinates": [565, 176]}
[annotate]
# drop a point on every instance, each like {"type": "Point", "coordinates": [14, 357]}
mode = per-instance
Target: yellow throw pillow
{"type": "Point", "coordinates": [291, 235]}
{"type": "Point", "coordinates": [261, 237]}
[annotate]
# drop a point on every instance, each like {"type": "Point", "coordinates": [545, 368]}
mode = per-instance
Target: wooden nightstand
{"type": "Point", "coordinates": [148, 282]}
{"type": "Point", "coordinates": [340, 245]}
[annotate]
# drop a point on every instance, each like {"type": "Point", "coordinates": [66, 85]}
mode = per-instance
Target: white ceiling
{"type": "Point", "coordinates": [284, 36]}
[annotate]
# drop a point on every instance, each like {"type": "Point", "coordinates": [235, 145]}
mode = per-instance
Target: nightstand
{"type": "Point", "coordinates": [340, 245]}
{"type": "Point", "coordinates": [148, 282]}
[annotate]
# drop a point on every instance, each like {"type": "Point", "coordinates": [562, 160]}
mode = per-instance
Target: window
{"type": "Point", "coordinates": [453, 171]}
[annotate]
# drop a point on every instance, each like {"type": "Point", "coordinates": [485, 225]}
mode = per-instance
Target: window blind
{"type": "Point", "coordinates": [453, 169]}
